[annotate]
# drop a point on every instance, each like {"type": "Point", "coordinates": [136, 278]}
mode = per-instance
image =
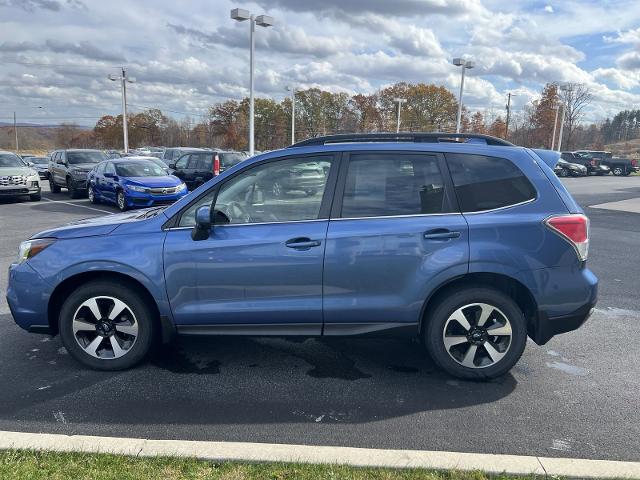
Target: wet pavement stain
{"type": "Point", "coordinates": [177, 361]}
{"type": "Point", "coordinates": [339, 367]}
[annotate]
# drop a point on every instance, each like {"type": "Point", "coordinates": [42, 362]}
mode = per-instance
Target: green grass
{"type": "Point", "coordinates": [27, 465]}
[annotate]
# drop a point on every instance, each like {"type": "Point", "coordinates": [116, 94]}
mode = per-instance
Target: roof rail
{"type": "Point", "coordinates": [404, 137]}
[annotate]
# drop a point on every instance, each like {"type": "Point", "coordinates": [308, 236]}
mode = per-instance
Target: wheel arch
{"type": "Point", "coordinates": [70, 284]}
{"type": "Point", "coordinates": [498, 281]}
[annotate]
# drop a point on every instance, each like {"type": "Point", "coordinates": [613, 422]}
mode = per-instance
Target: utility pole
{"type": "Point", "coordinates": [293, 114]}
{"type": "Point", "coordinates": [15, 130]}
{"type": "Point", "coordinates": [555, 124]}
{"type": "Point", "coordinates": [561, 127]}
{"type": "Point", "coordinates": [506, 127]}
{"type": "Point", "coordinates": [123, 86]}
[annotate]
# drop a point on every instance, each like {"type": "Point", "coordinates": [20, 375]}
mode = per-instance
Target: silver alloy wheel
{"type": "Point", "coordinates": [121, 200]}
{"type": "Point", "coordinates": [617, 171]}
{"type": "Point", "coordinates": [477, 335]}
{"type": "Point", "coordinates": [105, 327]}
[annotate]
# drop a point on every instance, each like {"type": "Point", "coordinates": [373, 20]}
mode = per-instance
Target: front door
{"type": "Point", "coordinates": [261, 271]}
{"type": "Point", "coordinates": [394, 236]}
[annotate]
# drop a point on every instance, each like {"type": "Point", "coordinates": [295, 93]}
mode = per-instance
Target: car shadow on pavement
{"type": "Point", "coordinates": [239, 380]}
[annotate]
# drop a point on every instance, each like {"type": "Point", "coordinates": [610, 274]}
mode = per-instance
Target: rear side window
{"type": "Point", "coordinates": [485, 183]}
{"type": "Point", "coordinates": [205, 162]}
{"type": "Point", "coordinates": [390, 184]}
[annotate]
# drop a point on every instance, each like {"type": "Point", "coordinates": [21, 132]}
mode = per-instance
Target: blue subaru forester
{"type": "Point", "coordinates": [466, 241]}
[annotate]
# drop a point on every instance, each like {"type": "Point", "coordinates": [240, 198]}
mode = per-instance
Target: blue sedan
{"type": "Point", "coordinates": [133, 182]}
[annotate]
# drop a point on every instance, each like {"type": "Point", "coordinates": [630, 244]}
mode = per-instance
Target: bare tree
{"type": "Point", "coordinates": [575, 98]}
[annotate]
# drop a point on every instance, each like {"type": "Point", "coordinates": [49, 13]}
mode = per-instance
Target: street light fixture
{"type": "Point", "coordinates": [123, 86]}
{"type": "Point", "coordinates": [240, 15]}
{"type": "Point", "coordinates": [293, 112]}
{"type": "Point", "coordinates": [465, 64]}
{"type": "Point", "coordinates": [399, 101]}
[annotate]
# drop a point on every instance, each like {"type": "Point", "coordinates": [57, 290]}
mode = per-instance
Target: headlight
{"type": "Point", "coordinates": [181, 187]}
{"type": "Point", "coordinates": [31, 248]}
{"type": "Point", "coordinates": [136, 188]}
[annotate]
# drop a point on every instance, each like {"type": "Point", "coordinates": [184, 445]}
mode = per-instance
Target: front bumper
{"type": "Point", "coordinates": [28, 298]}
{"type": "Point", "coordinates": [18, 190]}
{"type": "Point", "coordinates": [141, 200]}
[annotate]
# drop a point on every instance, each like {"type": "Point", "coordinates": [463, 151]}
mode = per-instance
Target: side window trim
{"type": "Point", "coordinates": [325, 205]}
{"type": "Point", "coordinates": [451, 202]}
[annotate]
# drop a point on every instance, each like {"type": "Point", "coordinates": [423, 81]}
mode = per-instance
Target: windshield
{"type": "Point", "coordinates": [160, 163]}
{"type": "Point", "coordinates": [10, 160]}
{"type": "Point", "coordinates": [77, 158]}
{"type": "Point", "coordinates": [139, 169]}
{"type": "Point", "coordinates": [39, 160]}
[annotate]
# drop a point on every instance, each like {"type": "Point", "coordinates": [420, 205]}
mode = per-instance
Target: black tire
{"type": "Point", "coordinates": [36, 197]}
{"type": "Point", "coordinates": [437, 320]}
{"type": "Point", "coordinates": [617, 171]}
{"type": "Point", "coordinates": [52, 186]}
{"type": "Point", "coordinates": [140, 309]}
{"type": "Point", "coordinates": [563, 173]}
{"type": "Point", "coordinates": [121, 203]}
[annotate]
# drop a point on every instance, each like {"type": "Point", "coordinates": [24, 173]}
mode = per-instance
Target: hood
{"type": "Point", "coordinates": [82, 167]}
{"type": "Point", "coordinates": [12, 171]}
{"type": "Point", "coordinates": [93, 227]}
{"type": "Point", "coordinates": [153, 182]}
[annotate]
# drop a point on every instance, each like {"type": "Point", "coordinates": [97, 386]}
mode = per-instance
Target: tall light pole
{"type": "Point", "coordinates": [240, 15]}
{"type": "Point", "coordinates": [293, 113]}
{"type": "Point", "coordinates": [123, 86]}
{"type": "Point", "coordinates": [465, 64]}
{"type": "Point", "coordinates": [399, 101]}
{"type": "Point", "coordinates": [555, 124]}
{"type": "Point", "coordinates": [563, 88]}
{"type": "Point", "coordinates": [506, 127]}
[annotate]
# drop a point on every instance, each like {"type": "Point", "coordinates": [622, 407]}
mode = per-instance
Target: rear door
{"type": "Point", "coordinates": [395, 234]}
{"type": "Point", "coordinates": [181, 169]}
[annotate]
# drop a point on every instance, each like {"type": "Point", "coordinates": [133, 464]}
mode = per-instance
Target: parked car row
{"type": "Point", "coordinates": [593, 162]}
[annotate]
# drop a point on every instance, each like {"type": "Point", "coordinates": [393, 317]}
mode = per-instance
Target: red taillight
{"type": "Point", "coordinates": [573, 228]}
{"type": "Point", "coordinates": [216, 165]}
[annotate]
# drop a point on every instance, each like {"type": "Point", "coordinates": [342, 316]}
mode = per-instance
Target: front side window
{"type": "Point", "coordinates": [391, 184]}
{"type": "Point", "coordinates": [280, 191]}
{"type": "Point", "coordinates": [181, 164]}
{"type": "Point", "coordinates": [109, 169]}
{"type": "Point", "coordinates": [485, 183]}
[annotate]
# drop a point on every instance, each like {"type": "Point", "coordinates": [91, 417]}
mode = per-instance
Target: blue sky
{"type": "Point", "coordinates": [186, 55]}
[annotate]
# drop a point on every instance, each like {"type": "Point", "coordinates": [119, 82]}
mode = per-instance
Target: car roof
{"type": "Point", "coordinates": [133, 157]}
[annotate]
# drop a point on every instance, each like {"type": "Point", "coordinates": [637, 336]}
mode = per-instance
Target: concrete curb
{"type": "Point", "coordinates": [360, 457]}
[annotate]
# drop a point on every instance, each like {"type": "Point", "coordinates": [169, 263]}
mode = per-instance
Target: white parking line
{"type": "Point", "coordinates": [76, 205]}
{"type": "Point", "coordinates": [360, 457]}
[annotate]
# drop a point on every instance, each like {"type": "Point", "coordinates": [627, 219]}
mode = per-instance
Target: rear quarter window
{"type": "Point", "coordinates": [486, 183]}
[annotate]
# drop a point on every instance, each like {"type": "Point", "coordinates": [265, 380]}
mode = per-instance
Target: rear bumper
{"type": "Point", "coordinates": [563, 309]}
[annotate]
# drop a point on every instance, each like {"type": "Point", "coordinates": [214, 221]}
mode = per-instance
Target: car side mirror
{"type": "Point", "coordinates": [202, 228]}
{"type": "Point", "coordinates": [108, 175]}
{"type": "Point", "coordinates": [172, 166]}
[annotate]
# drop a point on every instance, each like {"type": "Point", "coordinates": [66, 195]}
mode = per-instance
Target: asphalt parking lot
{"type": "Point", "coordinates": [575, 397]}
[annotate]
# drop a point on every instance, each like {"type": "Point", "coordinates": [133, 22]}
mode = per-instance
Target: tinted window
{"type": "Point", "coordinates": [385, 184]}
{"type": "Point", "coordinates": [193, 162]}
{"type": "Point", "coordinates": [38, 160]}
{"type": "Point", "coordinates": [182, 162]}
{"type": "Point", "coordinates": [109, 168]}
{"type": "Point", "coordinates": [485, 183]}
{"type": "Point", "coordinates": [10, 160]}
{"type": "Point", "coordinates": [279, 191]}
{"type": "Point", "coordinates": [100, 168]}
{"type": "Point", "coordinates": [139, 169]}
{"type": "Point", "coordinates": [205, 162]}
{"type": "Point", "coordinates": [76, 158]}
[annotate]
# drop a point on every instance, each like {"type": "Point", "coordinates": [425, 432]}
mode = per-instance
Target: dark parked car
{"type": "Point", "coordinates": [40, 165]}
{"type": "Point", "coordinates": [307, 178]}
{"type": "Point", "coordinates": [195, 168]}
{"type": "Point", "coordinates": [171, 155]}
{"type": "Point", "coordinates": [567, 169]}
{"type": "Point", "coordinates": [470, 246]}
{"type": "Point", "coordinates": [69, 168]}
{"type": "Point", "coordinates": [620, 166]}
{"type": "Point", "coordinates": [133, 182]}
{"type": "Point", "coordinates": [590, 159]}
